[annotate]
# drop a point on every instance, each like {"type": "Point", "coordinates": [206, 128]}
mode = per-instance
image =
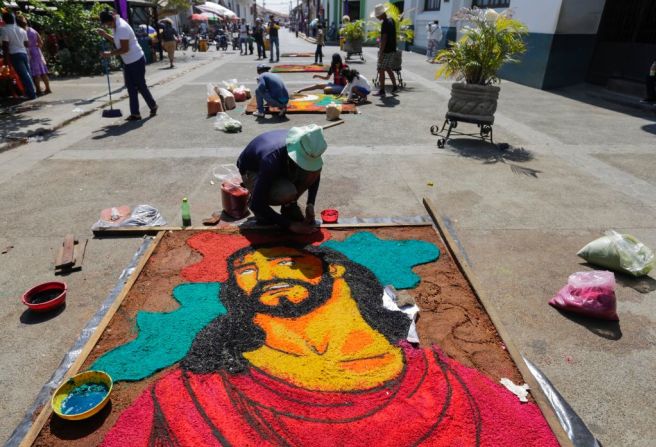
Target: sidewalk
{"type": "Point", "coordinates": [72, 98]}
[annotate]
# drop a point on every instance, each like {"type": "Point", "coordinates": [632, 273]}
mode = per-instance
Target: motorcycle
{"type": "Point", "coordinates": [183, 42]}
{"type": "Point", "coordinates": [221, 41]}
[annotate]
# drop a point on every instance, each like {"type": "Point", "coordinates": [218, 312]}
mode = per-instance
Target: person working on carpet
{"type": "Point", "coordinates": [277, 167]}
{"type": "Point", "coordinates": [339, 81]}
{"type": "Point", "coordinates": [358, 87]}
{"type": "Point", "coordinates": [270, 88]}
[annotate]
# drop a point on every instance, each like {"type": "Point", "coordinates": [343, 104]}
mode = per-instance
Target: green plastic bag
{"type": "Point", "coordinates": [619, 252]}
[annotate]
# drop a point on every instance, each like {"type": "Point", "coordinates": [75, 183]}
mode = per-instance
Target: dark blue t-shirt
{"type": "Point", "coordinates": [267, 156]}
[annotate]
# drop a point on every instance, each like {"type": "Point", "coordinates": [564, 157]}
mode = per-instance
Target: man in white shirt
{"type": "Point", "coordinates": [14, 48]}
{"type": "Point", "coordinates": [134, 62]}
{"type": "Point", "coordinates": [434, 33]}
{"type": "Point", "coordinates": [243, 37]}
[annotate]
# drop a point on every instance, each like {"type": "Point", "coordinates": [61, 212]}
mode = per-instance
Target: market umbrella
{"type": "Point", "coordinates": [149, 29]}
{"type": "Point", "coordinates": [199, 17]}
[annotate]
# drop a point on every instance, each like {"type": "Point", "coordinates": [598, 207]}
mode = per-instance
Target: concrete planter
{"type": "Point", "coordinates": [473, 103]}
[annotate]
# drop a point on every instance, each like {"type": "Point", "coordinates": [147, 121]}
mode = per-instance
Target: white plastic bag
{"type": "Point", "coordinates": [227, 98]}
{"type": "Point", "coordinates": [332, 111]}
{"type": "Point", "coordinates": [225, 123]}
{"type": "Point", "coordinates": [230, 84]}
{"type": "Point", "coordinates": [141, 216]}
{"type": "Point", "coordinates": [228, 173]}
{"type": "Point", "coordinates": [620, 252]}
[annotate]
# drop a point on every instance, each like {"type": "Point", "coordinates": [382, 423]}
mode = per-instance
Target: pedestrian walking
{"type": "Point", "coordinates": [169, 40]}
{"type": "Point", "coordinates": [434, 37]}
{"type": "Point", "coordinates": [134, 62]}
{"type": "Point", "coordinates": [243, 37]}
{"type": "Point", "coordinates": [15, 44]}
{"type": "Point", "coordinates": [38, 67]}
{"type": "Point", "coordinates": [321, 41]}
{"type": "Point", "coordinates": [386, 50]}
{"type": "Point", "coordinates": [273, 39]}
{"type": "Point", "coordinates": [258, 35]}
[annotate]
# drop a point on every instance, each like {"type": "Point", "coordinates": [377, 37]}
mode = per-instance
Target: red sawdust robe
{"type": "Point", "coordinates": [435, 402]}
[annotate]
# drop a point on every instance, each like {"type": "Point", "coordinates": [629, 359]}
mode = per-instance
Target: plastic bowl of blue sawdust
{"type": "Point", "coordinates": [46, 296]}
{"type": "Point", "coordinates": [82, 396]}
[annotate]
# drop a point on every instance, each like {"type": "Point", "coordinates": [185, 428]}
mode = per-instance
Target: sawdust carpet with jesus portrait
{"type": "Point", "coordinates": [306, 103]}
{"type": "Point", "coordinates": [262, 339]}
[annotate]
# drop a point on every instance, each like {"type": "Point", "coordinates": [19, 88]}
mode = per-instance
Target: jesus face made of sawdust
{"type": "Point", "coordinates": [315, 335]}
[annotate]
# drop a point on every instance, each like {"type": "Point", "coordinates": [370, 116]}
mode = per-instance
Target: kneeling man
{"type": "Point", "coordinates": [277, 167]}
{"type": "Point", "coordinates": [270, 88]}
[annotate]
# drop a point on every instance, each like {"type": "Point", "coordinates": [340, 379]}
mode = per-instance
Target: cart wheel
{"type": "Point", "coordinates": [435, 130]}
{"type": "Point", "coordinates": [440, 143]}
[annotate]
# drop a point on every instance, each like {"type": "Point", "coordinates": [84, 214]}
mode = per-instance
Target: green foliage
{"type": "Point", "coordinates": [77, 53]}
{"type": "Point", "coordinates": [353, 31]}
{"type": "Point", "coordinates": [490, 40]}
{"type": "Point", "coordinates": [403, 31]}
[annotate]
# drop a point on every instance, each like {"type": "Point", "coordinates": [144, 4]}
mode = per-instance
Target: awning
{"type": "Point", "coordinates": [214, 8]}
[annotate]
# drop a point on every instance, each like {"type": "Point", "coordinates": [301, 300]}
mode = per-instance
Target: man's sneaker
{"type": "Point", "coordinates": [292, 212]}
{"type": "Point", "coordinates": [258, 114]}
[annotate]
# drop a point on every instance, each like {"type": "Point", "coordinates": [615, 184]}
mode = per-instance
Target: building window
{"type": "Point", "coordinates": [432, 5]}
{"type": "Point", "coordinates": [491, 3]}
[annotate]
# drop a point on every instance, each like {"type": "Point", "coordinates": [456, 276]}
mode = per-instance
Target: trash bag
{"type": "Point", "coordinates": [589, 293]}
{"type": "Point", "coordinates": [214, 105]}
{"type": "Point", "coordinates": [225, 123]}
{"type": "Point", "coordinates": [230, 84]}
{"type": "Point", "coordinates": [240, 94]}
{"type": "Point", "coordinates": [619, 252]}
{"type": "Point", "coordinates": [141, 216]}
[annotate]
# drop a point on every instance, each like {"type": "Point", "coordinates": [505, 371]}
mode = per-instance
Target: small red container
{"type": "Point", "coordinates": [45, 306]}
{"type": "Point", "coordinates": [329, 216]}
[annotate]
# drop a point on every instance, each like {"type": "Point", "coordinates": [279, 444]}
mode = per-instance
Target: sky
{"type": "Point", "coordinates": [277, 5]}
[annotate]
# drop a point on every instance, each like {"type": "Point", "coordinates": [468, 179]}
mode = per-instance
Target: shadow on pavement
{"type": "Point", "coordinates": [494, 153]}
{"type": "Point", "coordinates": [389, 101]}
{"type": "Point", "coordinates": [115, 130]}
{"type": "Point", "coordinates": [651, 128]}
{"type": "Point", "coordinates": [71, 430]}
{"type": "Point", "coordinates": [30, 317]}
{"type": "Point", "coordinates": [610, 330]}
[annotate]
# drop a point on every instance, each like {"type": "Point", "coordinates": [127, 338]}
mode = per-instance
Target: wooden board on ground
{"type": "Point", "coordinates": [305, 103]}
{"type": "Point", "coordinates": [300, 68]}
{"type": "Point", "coordinates": [452, 318]}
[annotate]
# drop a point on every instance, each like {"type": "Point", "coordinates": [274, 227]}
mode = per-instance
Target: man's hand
{"type": "Point", "coordinates": [302, 228]}
{"type": "Point", "coordinates": [105, 54]}
{"type": "Point", "coordinates": [309, 214]}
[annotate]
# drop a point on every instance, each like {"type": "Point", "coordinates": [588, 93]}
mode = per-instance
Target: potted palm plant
{"type": "Point", "coordinates": [489, 41]}
{"type": "Point", "coordinates": [404, 32]}
{"type": "Point", "coordinates": [353, 33]}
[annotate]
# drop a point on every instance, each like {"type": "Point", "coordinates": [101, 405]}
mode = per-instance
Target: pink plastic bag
{"type": "Point", "coordinates": [589, 293]}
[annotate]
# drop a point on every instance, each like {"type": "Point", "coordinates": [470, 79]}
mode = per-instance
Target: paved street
{"type": "Point", "coordinates": [576, 166]}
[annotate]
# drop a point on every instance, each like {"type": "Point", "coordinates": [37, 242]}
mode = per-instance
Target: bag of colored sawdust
{"type": "Point", "coordinates": [214, 105]}
{"type": "Point", "coordinates": [227, 98]}
{"type": "Point", "coordinates": [332, 111]}
{"type": "Point", "coordinates": [591, 294]}
{"type": "Point", "coordinates": [619, 252]}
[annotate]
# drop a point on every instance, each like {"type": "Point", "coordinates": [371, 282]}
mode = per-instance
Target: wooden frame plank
{"type": "Point", "coordinates": [140, 231]}
{"type": "Point", "coordinates": [513, 351]}
{"type": "Point", "coordinates": [46, 411]}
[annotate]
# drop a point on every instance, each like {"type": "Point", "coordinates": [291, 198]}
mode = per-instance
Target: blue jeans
{"type": "Point", "coordinates": [274, 41]}
{"type": "Point", "coordinates": [243, 45]}
{"type": "Point", "coordinates": [22, 67]}
{"type": "Point", "coordinates": [262, 95]}
{"type": "Point", "coordinates": [135, 82]}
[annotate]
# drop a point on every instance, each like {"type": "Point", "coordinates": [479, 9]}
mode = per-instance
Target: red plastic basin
{"type": "Point", "coordinates": [54, 302]}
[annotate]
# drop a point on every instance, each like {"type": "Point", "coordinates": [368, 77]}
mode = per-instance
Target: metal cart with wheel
{"type": "Point", "coordinates": [353, 48]}
{"type": "Point", "coordinates": [452, 120]}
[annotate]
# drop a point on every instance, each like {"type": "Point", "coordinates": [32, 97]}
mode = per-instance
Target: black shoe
{"type": "Point", "coordinates": [395, 88]}
{"type": "Point", "coordinates": [292, 212]}
{"type": "Point", "coordinates": [133, 118]}
{"type": "Point", "coordinates": [153, 111]}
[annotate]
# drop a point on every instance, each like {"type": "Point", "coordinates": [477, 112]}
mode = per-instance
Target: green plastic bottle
{"type": "Point", "coordinates": [186, 213]}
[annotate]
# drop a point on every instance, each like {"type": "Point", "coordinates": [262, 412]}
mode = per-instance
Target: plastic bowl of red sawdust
{"type": "Point", "coordinates": [46, 296]}
{"type": "Point", "coordinates": [329, 216]}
